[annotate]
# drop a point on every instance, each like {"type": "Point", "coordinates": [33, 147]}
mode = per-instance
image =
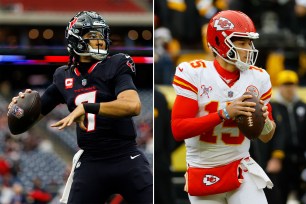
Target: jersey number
{"type": "Point", "coordinates": [227, 138]}
{"type": "Point", "coordinates": [89, 97]}
{"type": "Point", "coordinates": [197, 64]}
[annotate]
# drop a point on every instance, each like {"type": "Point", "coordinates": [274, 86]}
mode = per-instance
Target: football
{"type": "Point", "coordinates": [252, 126]}
{"type": "Point", "coordinates": [24, 113]}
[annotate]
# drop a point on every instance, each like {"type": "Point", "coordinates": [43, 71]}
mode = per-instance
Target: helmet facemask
{"type": "Point", "coordinates": [233, 55]}
{"type": "Point", "coordinates": [96, 53]}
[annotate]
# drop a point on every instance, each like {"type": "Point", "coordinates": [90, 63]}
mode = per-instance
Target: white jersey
{"type": "Point", "coordinates": [200, 81]}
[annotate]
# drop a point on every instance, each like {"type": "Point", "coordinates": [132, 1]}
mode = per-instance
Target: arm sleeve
{"type": "Point", "coordinates": [50, 99]}
{"type": "Point", "coordinates": [184, 123]}
{"type": "Point", "coordinates": [270, 111]}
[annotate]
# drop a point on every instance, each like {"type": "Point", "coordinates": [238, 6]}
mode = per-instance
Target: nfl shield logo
{"type": "Point", "coordinates": [230, 94]}
{"type": "Point", "coordinates": [84, 82]}
{"type": "Point", "coordinates": [17, 111]}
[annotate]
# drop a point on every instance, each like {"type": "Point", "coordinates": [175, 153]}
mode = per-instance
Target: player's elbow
{"type": "Point", "coordinates": [177, 137]}
{"type": "Point", "coordinates": [135, 108]}
{"type": "Point", "coordinates": [176, 132]}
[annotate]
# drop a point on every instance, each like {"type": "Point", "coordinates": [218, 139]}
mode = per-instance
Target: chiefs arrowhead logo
{"type": "Point", "coordinates": [210, 179]}
{"type": "Point", "coordinates": [223, 24]}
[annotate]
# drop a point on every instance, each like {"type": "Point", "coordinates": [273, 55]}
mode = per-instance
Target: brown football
{"type": "Point", "coordinates": [24, 113]}
{"type": "Point", "coordinates": [251, 126]}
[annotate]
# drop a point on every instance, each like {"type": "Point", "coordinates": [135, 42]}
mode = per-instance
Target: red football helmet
{"type": "Point", "coordinates": [225, 25]}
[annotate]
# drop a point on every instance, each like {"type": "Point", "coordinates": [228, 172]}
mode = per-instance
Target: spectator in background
{"type": "Point", "coordinates": [300, 11]}
{"type": "Point", "coordinates": [38, 195]}
{"type": "Point", "coordinates": [163, 63]}
{"type": "Point", "coordinates": [19, 196]}
{"type": "Point", "coordinates": [4, 166]}
{"type": "Point", "coordinates": [290, 115]}
{"type": "Point", "coordinates": [163, 145]}
{"type": "Point", "coordinates": [185, 17]}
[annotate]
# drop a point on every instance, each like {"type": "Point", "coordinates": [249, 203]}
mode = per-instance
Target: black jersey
{"type": "Point", "coordinates": [102, 83]}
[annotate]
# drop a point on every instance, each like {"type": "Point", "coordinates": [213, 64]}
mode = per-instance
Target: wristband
{"type": "Point", "coordinates": [226, 114]}
{"type": "Point", "coordinates": [220, 115]}
{"type": "Point", "coordinates": [91, 107]}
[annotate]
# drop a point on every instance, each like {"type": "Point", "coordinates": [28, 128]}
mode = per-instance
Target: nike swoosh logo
{"type": "Point", "coordinates": [181, 69]}
{"type": "Point", "coordinates": [133, 157]}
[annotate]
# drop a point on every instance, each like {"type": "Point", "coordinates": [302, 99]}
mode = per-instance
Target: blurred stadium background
{"type": "Point", "coordinates": [32, 46]}
{"type": "Point", "coordinates": [180, 35]}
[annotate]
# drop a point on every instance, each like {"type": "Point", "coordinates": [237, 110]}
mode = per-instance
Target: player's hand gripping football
{"type": "Point", "coordinates": [77, 115]}
{"type": "Point", "coordinates": [240, 107]}
{"type": "Point", "coordinates": [264, 110]}
{"type": "Point", "coordinates": [15, 99]}
{"type": "Point", "coordinates": [269, 125]}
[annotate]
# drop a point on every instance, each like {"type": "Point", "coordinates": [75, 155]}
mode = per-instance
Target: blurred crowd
{"type": "Point", "coordinates": [12, 188]}
{"type": "Point", "coordinates": [180, 35]}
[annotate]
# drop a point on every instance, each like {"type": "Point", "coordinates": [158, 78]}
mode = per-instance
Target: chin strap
{"type": "Point", "coordinates": [267, 127]}
{"type": "Point", "coordinates": [97, 54]}
{"type": "Point", "coordinates": [242, 66]}
{"type": "Point", "coordinates": [239, 64]}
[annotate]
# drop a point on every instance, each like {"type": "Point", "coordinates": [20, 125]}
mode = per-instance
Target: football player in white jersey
{"type": "Point", "coordinates": [209, 97]}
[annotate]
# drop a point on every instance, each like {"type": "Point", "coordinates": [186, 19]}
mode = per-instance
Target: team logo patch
{"type": "Point", "coordinates": [72, 23]}
{"type": "Point", "coordinates": [252, 89]}
{"type": "Point", "coordinates": [206, 90]}
{"type": "Point", "coordinates": [223, 24]}
{"type": "Point", "coordinates": [68, 83]}
{"type": "Point", "coordinates": [17, 111]}
{"type": "Point", "coordinates": [210, 179]}
{"type": "Point", "coordinates": [131, 65]}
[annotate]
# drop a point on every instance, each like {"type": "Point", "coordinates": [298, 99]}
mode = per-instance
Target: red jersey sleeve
{"type": "Point", "coordinates": [184, 122]}
{"type": "Point", "coordinates": [270, 111]}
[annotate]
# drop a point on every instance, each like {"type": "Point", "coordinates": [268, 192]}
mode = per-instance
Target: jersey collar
{"type": "Point", "coordinates": [78, 73]}
{"type": "Point", "coordinates": [228, 77]}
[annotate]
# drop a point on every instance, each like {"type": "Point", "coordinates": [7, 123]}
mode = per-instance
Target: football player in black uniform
{"type": "Point", "coordinates": [99, 91]}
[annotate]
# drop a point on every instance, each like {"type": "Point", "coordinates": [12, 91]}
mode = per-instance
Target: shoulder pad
{"type": "Point", "coordinates": [125, 64]}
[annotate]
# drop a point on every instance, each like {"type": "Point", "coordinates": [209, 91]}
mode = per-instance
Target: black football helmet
{"type": "Point", "coordinates": [82, 23]}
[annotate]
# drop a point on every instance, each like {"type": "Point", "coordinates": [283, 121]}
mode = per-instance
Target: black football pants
{"type": "Point", "coordinates": [95, 180]}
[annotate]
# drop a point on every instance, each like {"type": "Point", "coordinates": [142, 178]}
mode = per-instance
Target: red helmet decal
{"type": "Point", "coordinates": [71, 23]}
{"type": "Point", "coordinates": [223, 24]}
